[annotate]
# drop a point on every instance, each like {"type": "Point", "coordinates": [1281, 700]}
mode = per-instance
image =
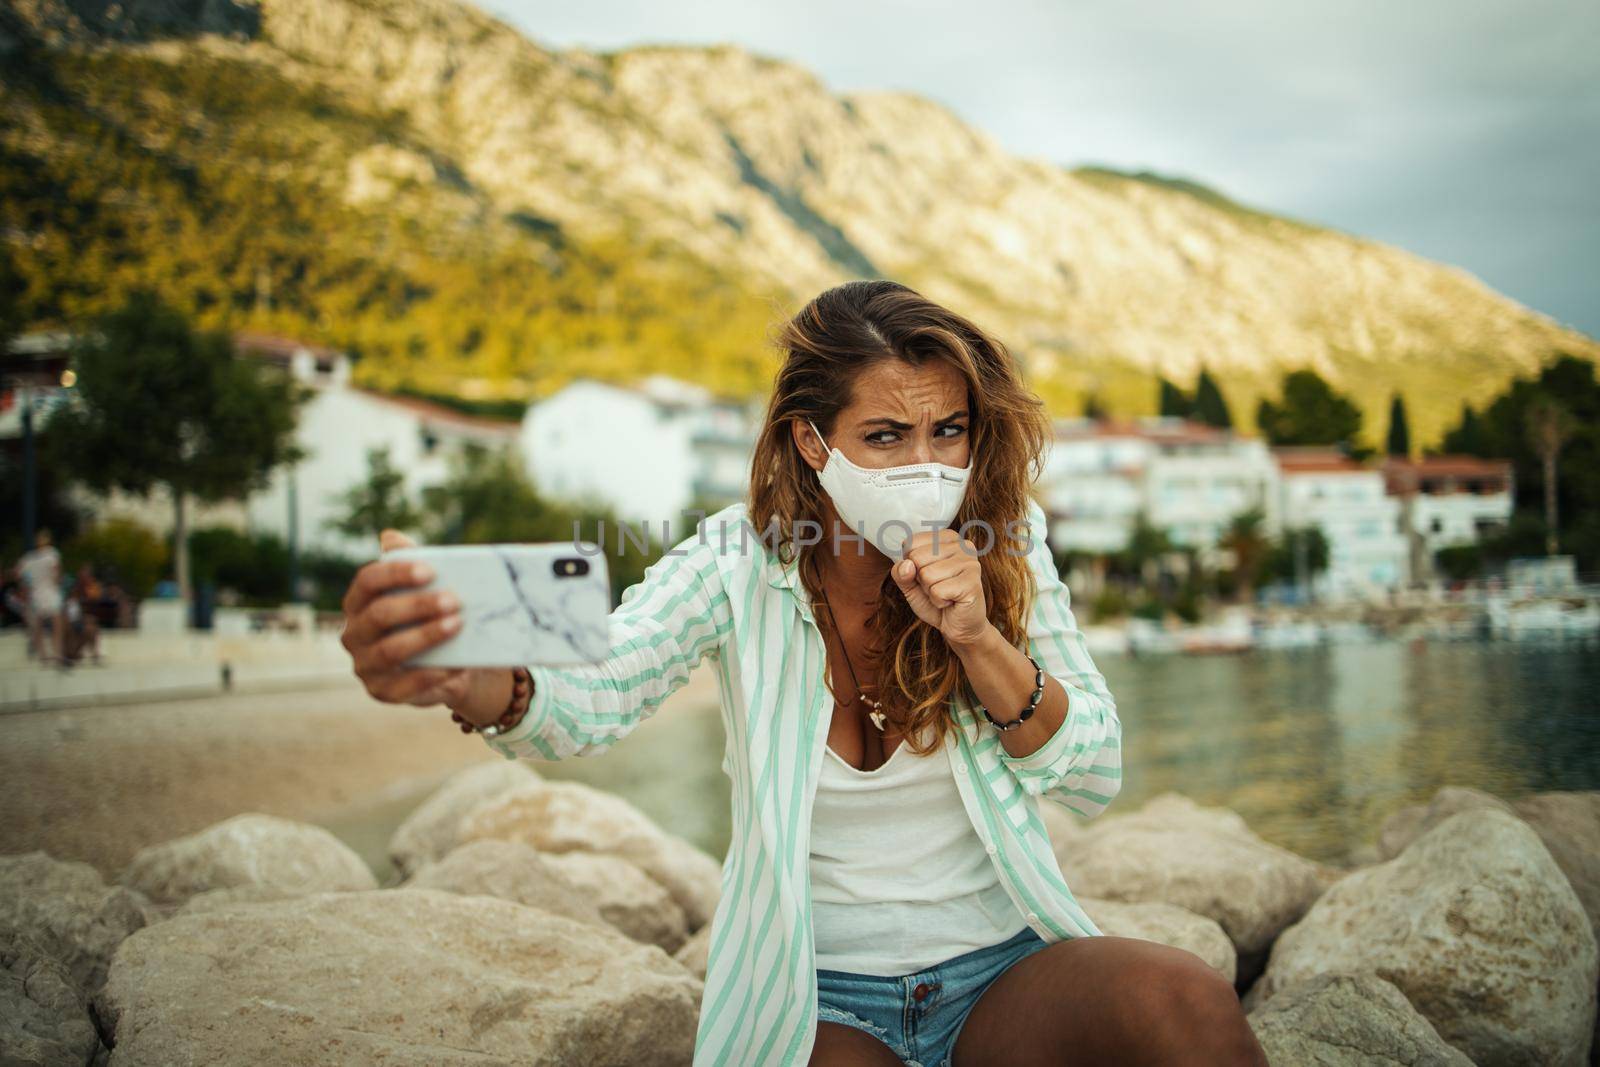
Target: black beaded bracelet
{"type": "Point", "coordinates": [1033, 701]}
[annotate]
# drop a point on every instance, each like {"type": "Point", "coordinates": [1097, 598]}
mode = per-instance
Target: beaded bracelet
{"type": "Point", "coordinates": [516, 707]}
{"type": "Point", "coordinates": [1033, 701]}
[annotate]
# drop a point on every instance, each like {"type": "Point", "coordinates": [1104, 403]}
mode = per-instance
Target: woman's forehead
{"type": "Point", "coordinates": [893, 388]}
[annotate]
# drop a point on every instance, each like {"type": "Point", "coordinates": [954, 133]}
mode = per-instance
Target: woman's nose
{"type": "Point", "coordinates": [921, 449]}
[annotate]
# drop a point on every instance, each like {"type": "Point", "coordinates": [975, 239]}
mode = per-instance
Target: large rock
{"type": "Point", "coordinates": [1567, 822]}
{"type": "Point", "coordinates": [248, 850]}
{"type": "Point", "coordinates": [1480, 930]}
{"type": "Point", "coordinates": [630, 900]}
{"type": "Point", "coordinates": [1203, 859]}
{"type": "Point", "coordinates": [215, 899]}
{"type": "Point", "coordinates": [1414, 820]}
{"type": "Point", "coordinates": [571, 817]}
{"type": "Point", "coordinates": [432, 831]}
{"type": "Point", "coordinates": [510, 871]}
{"type": "Point", "coordinates": [1569, 826]}
{"type": "Point", "coordinates": [396, 976]}
{"type": "Point", "coordinates": [696, 952]}
{"type": "Point", "coordinates": [1348, 1020]}
{"type": "Point", "coordinates": [1166, 924]}
{"type": "Point", "coordinates": [44, 1019]}
{"type": "Point", "coordinates": [70, 912]}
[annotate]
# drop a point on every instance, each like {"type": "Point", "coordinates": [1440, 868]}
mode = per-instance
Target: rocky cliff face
{"type": "Point", "coordinates": [749, 164]}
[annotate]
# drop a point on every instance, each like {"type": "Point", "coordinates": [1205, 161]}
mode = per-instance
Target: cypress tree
{"type": "Point", "coordinates": [1175, 401]}
{"type": "Point", "coordinates": [1399, 434]}
{"type": "Point", "coordinates": [1209, 406]}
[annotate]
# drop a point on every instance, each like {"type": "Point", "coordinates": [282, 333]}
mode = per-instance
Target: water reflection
{"type": "Point", "coordinates": [1313, 747]}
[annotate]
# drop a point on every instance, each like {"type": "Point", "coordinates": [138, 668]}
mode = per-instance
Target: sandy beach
{"type": "Point", "coordinates": [98, 784]}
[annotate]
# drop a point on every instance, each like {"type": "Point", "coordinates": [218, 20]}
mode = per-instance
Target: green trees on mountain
{"type": "Point", "coordinates": [1206, 405]}
{"type": "Point", "coordinates": [1399, 443]}
{"type": "Point", "coordinates": [237, 213]}
{"type": "Point", "coordinates": [1548, 426]}
{"type": "Point", "coordinates": [1309, 412]}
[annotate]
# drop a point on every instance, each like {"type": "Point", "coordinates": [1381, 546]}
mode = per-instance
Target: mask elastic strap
{"type": "Point", "coordinates": [819, 435]}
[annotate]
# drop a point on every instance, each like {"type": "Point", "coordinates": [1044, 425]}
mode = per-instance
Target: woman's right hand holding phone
{"type": "Point", "coordinates": [383, 629]}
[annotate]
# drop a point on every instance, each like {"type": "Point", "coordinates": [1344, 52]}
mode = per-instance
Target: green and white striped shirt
{"type": "Point", "coordinates": [727, 600]}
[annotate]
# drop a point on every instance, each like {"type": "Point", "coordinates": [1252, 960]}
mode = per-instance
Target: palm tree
{"type": "Point", "coordinates": [1244, 538]}
{"type": "Point", "coordinates": [1549, 428]}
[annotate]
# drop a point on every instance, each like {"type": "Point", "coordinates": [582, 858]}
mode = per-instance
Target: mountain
{"type": "Point", "coordinates": [473, 213]}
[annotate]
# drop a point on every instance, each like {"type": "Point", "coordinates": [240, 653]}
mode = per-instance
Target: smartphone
{"type": "Point", "coordinates": [521, 604]}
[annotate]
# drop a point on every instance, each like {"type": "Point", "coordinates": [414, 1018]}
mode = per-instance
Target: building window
{"type": "Point", "coordinates": [1437, 525]}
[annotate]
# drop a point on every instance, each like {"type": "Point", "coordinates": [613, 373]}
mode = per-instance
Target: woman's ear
{"type": "Point", "coordinates": [810, 445]}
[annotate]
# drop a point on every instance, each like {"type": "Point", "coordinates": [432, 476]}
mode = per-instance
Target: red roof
{"type": "Point", "coordinates": [1173, 431]}
{"type": "Point", "coordinates": [1448, 473]}
{"type": "Point", "coordinates": [280, 348]}
{"type": "Point", "coordinates": [1315, 459]}
{"type": "Point", "coordinates": [1450, 466]}
{"type": "Point", "coordinates": [438, 413]}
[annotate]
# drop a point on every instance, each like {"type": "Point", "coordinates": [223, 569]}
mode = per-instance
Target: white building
{"type": "Point", "coordinates": [648, 451]}
{"type": "Point", "coordinates": [1367, 548]}
{"type": "Point", "coordinates": [1456, 500]}
{"type": "Point", "coordinates": [1092, 487]}
{"type": "Point", "coordinates": [1200, 478]}
{"type": "Point", "coordinates": [338, 426]}
{"type": "Point", "coordinates": [1189, 479]}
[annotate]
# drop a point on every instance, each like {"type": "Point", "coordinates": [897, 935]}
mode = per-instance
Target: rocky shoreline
{"type": "Point", "coordinates": [538, 921]}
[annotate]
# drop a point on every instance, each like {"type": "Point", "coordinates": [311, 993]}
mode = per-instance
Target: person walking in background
{"type": "Point", "coordinates": [41, 579]}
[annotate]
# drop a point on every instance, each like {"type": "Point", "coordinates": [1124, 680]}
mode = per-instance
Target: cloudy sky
{"type": "Point", "coordinates": [1466, 131]}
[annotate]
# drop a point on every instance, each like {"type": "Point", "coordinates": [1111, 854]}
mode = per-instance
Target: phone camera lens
{"type": "Point", "coordinates": [571, 567]}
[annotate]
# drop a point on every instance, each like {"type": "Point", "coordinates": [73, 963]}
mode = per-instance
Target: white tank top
{"type": "Point", "coordinates": [900, 880]}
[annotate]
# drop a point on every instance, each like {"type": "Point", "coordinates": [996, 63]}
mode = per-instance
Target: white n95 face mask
{"type": "Point", "coordinates": [887, 505]}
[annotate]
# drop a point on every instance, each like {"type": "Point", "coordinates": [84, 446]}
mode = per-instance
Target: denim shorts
{"type": "Point", "coordinates": [919, 1015]}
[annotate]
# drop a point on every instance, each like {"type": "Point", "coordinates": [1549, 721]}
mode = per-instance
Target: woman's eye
{"type": "Point", "coordinates": [882, 437]}
{"type": "Point", "coordinates": [955, 429]}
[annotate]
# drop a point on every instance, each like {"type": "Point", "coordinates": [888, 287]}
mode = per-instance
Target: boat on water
{"type": "Point", "coordinates": [1574, 616]}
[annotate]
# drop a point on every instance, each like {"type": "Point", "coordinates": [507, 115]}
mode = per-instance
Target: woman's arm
{"type": "Point", "coordinates": [664, 626]}
{"type": "Point", "coordinates": [1080, 765]}
{"type": "Point", "coordinates": [1070, 747]}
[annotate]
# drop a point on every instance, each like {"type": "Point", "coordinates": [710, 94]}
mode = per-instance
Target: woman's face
{"type": "Point", "coordinates": [898, 414]}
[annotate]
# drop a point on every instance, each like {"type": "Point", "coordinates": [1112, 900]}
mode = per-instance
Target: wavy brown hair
{"type": "Point", "coordinates": [826, 346]}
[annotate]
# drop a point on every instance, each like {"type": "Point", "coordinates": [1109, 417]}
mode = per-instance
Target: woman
{"type": "Point", "coordinates": [901, 679]}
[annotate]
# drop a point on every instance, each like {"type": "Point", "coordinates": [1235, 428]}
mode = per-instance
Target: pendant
{"type": "Point", "coordinates": [878, 718]}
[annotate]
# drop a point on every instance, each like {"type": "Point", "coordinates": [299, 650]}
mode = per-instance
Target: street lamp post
{"type": "Point", "coordinates": [30, 474]}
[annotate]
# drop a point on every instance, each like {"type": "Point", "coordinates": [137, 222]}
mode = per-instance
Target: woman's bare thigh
{"type": "Point", "coordinates": [1105, 999]}
{"type": "Point", "coordinates": [839, 1045]}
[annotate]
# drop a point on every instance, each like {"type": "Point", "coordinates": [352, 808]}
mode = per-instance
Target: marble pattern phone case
{"type": "Point", "coordinates": [517, 604]}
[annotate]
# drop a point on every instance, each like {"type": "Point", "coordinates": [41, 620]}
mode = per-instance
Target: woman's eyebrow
{"type": "Point", "coordinates": [895, 424]}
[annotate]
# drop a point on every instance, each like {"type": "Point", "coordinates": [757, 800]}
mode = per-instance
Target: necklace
{"type": "Point", "coordinates": [877, 716]}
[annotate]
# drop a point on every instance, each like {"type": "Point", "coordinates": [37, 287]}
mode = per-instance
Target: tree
{"type": "Point", "coordinates": [378, 503]}
{"type": "Point", "coordinates": [1209, 406]}
{"type": "Point", "coordinates": [1399, 434]}
{"type": "Point", "coordinates": [1298, 555]}
{"type": "Point", "coordinates": [1244, 538]}
{"type": "Point", "coordinates": [489, 498]}
{"type": "Point", "coordinates": [1093, 407]}
{"type": "Point", "coordinates": [1310, 413]}
{"type": "Point", "coordinates": [1174, 402]}
{"type": "Point", "coordinates": [160, 404]}
{"type": "Point", "coordinates": [1468, 437]}
{"type": "Point", "coordinates": [1549, 427]}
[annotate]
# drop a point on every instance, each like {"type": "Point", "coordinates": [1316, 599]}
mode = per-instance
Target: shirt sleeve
{"type": "Point", "coordinates": [1080, 765]}
{"type": "Point", "coordinates": [664, 626]}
